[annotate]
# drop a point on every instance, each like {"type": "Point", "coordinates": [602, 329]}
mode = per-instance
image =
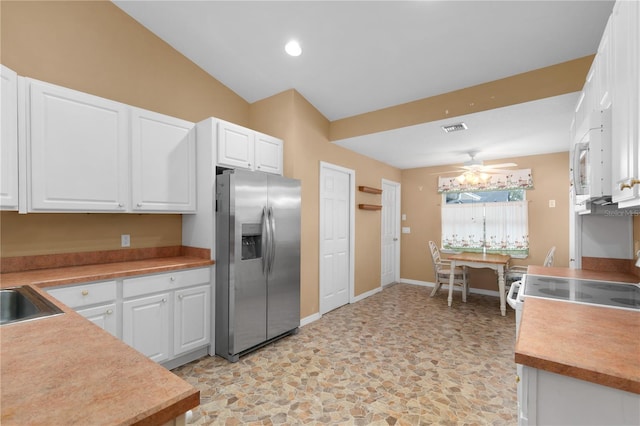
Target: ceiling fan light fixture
{"type": "Point", "coordinates": [456, 127]}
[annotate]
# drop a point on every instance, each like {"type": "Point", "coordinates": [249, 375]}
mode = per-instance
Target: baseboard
{"type": "Point", "coordinates": [482, 291]}
{"type": "Point", "coordinates": [366, 294]}
{"type": "Point", "coordinates": [311, 318]}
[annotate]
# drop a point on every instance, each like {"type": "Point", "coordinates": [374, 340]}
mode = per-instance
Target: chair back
{"type": "Point", "coordinates": [435, 256]}
{"type": "Point", "coordinates": [548, 261]}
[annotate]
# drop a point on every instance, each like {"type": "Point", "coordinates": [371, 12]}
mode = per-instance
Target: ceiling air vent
{"type": "Point", "coordinates": [454, 127]}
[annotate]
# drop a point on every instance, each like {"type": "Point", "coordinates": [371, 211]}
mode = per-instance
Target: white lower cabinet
{"type": "Point", "coordinates": [104, 316]}
{"type": "Point", "coordinates": [546, 398]}
{"type": "Point", "coordinates": [165, 316]}
{"type": "Point", "coordinates": [192, 318]}
{"type": "Point", "coordinates": [145, 325]}
{"type": "Point", "coordinates": [95, 301]}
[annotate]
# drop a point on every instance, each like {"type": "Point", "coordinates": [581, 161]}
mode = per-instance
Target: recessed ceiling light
{"type": "Point", "coordinates": [293, 48]}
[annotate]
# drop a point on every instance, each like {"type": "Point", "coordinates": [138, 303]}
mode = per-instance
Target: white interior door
{"type": "Point", "coordinates": [336, 236]}
{"type": "Point", "coordinates": [390, 261]}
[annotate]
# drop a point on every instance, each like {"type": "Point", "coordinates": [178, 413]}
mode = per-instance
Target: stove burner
{"type": "Point", "coordinates": [563, 293]}
{"type": "Point", "coordinates": [611, 287]}
{"type": "Point", "coordinates": [628, 302]}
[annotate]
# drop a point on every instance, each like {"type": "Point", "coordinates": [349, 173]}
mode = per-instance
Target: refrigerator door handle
{"type": "Point", "coordinates": [264, 243]}
{"type": "Point", "coordinates": [272, 239]}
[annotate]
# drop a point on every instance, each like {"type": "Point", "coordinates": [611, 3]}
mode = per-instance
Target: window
{"type": "Point", "coordinates": [495, 221]}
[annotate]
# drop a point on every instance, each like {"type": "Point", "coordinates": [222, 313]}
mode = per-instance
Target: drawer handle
{"type": "Point", "coordinates": [85, 292]}
{"type": "Point", "coordinates": [180, 296]}
{"type": "Point", "coordinates": [164, 300]}
{"type": "Point", "coordinates": [109, 311]}
{"type": "Point", "coordinates": [172, 278]}
{"type": "Point", "coordinates": [631, 184]}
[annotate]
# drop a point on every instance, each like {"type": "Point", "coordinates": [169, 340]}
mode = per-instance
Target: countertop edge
{"type": "Point", "coordinates": [175, 405]}
{"type": "Point", "coordinates": [599, 378]}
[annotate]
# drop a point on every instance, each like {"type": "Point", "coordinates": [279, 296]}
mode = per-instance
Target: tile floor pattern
{"type": "Point", "coordinates": [397, 357]}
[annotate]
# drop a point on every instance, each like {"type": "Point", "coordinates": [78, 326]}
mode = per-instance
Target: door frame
{"type": "Point", "coordinates": [396, 207]}
{"type": "Point", "coordinates": [352, 202]}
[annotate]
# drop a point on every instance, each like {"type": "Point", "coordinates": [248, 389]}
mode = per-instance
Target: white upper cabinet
{"type": "Point", "coordinates": [78, 150]}
{"type": "Point", "coordinates": [268, 154]}
{"type": "Point", "coordinates": [625, 33]}
{"type": "Point", "coordinates": [90, 154]}
{"type": "Point", "coordinates": [163, 160]}
{"type": "Point", "coordinates": [9, 141]}
{"type": "Point", "coordinates": [235, 145]}
{"type": "Point", "coordinates": [244, 148]}
{"type": "Point", "coordinates": [603, 70]}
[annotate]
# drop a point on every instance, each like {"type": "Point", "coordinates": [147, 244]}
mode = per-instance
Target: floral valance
{"type": "Point", "coordinates": [477, 181]}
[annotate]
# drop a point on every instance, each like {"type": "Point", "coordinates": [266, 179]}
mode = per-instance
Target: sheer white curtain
{"type": "Point", "coordinates": [503, 224]}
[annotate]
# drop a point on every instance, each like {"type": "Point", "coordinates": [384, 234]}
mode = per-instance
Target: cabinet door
{"type": "Point", "coordinates": [103, 316]}
{"type": "Point", "coordinates": [625, 109]}
{"type": "Point", "coordinates": [78, 144]}
{"type": "Point", "coordinates": [9, 141]}
{"type": "Point", "coordinates": [163, 157]}
{"type": "Point", "coordinates": [145, 325]}
{"type": "Point", "coordinates": [268, 154]}
{"type": "Point", "coordinates": [235, 145]}
{"type": "Point", "coordinates": [192, 319]}
{"type": "Point", "coordinates": [603, 69]}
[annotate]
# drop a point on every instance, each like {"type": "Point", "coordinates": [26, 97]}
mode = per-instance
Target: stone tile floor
{"type": "Point", "coordinates": [395, 358]}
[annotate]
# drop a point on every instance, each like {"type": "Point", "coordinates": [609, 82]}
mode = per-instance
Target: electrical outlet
{"type": "Point", "coordinates": [552, 203]}
{"type": "Point", "coordinates": [125, 240]}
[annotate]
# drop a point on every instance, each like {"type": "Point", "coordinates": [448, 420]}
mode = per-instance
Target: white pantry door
{"type": "Point", "coordinates": [390, 261]}
{"type": "Point", "coordinates": [336, 235]}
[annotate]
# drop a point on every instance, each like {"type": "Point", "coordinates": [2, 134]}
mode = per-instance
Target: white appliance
{"type": "Point", "coordinates": [613, 295]}
{"type": "Point", "coordinates": [591, 166]}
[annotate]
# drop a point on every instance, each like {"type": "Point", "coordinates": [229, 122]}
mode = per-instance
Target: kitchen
{"type": "Point", "coordinates": [71, 61]}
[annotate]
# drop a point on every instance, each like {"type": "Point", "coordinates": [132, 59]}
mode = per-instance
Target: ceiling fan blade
{"type": "Point", "coordinates": [496, 171]}
{"type": "Point", "coordinates": [499, 166]}
{"type": "Point", "coordinates": [448, 172]}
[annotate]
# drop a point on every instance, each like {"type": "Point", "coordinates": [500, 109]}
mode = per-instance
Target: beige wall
{"type": "Point", "coordinates": [96, 48]}
{"type": "Point", "coordinates": [307, 144]}
{"type": "Point", "coordinates": [547, 226]}
{"type": "Point", "coordinates": [566, 77]}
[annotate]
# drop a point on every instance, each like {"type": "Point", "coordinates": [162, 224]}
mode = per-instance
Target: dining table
{"type": "Point", "coordinates": [497, 262]}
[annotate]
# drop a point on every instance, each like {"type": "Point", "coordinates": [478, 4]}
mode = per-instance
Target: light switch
{"type": "Point", "coordinates": [404, 216]}
{"type": "Point", "coordinates": [552, 203]}
{"type": "Point", "coordinates": [406, 230]}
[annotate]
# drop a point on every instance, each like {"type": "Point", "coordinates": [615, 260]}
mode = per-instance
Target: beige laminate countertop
{"type": "Point", "coordinates": [65, 370]}
{"type": "Point", "coordinates": [587, 342]}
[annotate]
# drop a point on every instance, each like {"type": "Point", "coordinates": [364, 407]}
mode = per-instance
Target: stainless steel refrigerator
{"type": "Point", "coordinates": [258, 260]}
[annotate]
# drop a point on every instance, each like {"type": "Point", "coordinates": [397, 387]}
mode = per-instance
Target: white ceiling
{"type": "Point", "coordinates": [361, 56]}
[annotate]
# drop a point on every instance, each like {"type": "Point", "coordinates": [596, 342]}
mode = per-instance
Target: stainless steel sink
{"type": "Point", "coordinates": [23, 303]}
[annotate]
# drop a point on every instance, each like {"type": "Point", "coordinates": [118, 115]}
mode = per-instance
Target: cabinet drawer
{"type": "Point", "coordinates": [164, 282]}
{"type": "Point", "coordinates": [85, 294]}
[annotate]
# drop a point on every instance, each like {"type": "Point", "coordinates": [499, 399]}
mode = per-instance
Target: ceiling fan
{"type": "Point", "coordinates": [477, 166]}
{"type": "Point", "coordinates": [474, 171]}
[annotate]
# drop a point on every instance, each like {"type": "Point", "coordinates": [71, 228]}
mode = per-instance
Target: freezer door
{"type": "Point", "coordinates": [247, 282]}
{"type": "Point", "coordinates": [283, 291]}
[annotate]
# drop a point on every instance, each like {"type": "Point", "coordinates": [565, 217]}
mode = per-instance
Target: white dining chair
{"type": "Point", "coordinates": [515, 272]}
{"type": "Point", "coordinates": [442, 271]}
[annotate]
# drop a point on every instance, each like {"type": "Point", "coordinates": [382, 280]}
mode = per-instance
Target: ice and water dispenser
{"type": "Point", "coordinates": [251, 241]}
